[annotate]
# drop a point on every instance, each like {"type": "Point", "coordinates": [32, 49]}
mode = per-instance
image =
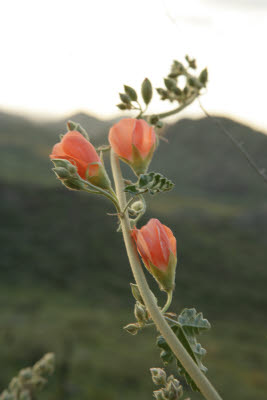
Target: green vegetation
{"type": "Point", "coordinates": [60, 292]}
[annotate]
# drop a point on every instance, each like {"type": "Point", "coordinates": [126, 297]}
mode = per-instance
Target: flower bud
{"type": "Point", "coordinates": [159, 394]}
{"type": "Point", "coordinates": [14, 385]}
{"type": "Point", "coordinates": [132, 328]}
{"type": "Point", "coordinates": [25, 374]}
{"type": "Point", "coordinates": [137, 206]}
{"type": "Point", "coordinates": [136, 293]}
{"type": "Point", "coordinates": [140, 313]}
{"type": "Point", "coordinates": [75, 149]}
{"type": "Point", "coordinates": [134, 141]}
{"type": "Point", "coordinates": [6, 395]}
{"type": "Point", "coordinates": [25, 395]}
{"type": "Point", "coordinates": [158, 376]}
{"type": "Point", "coordinates": [174, 390]}
{"type": "Point", "coordinates": [46, 365]}
{"type": "Point", "coordinates": [157, 246]}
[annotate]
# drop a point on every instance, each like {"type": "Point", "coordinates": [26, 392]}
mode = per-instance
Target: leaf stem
{"type": "Point", "coordinates": [191, 367]}
{"type": "Point", "coordinates": [168, 303]}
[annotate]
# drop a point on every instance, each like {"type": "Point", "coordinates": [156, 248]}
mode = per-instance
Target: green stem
{"type": "Point", "coordinates": [168, 302]}
{"type": "Point", "coordinates": [176, 110]}
{"type": "Point", "coordinates": [191, 367]}
{"type": "Point", "coordinates": [110, 194]}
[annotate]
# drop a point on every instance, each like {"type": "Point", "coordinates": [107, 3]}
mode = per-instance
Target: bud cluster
{"type": "Point", "coordinates": [68, 174]}
{"type": "Point", "coordinates": [30, 380]}
{"type": "Point", "coordinates": [172, 389]}
{"type": "Point", "coordinates": [129, 99]}
{"type": "Point", "coordinates": [140, 312]}
{"type": "Point", "coordinates": [174, 90]}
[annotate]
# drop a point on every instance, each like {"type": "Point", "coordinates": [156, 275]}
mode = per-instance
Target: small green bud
{"type": "Point", "coordinates": [158, 376]}
{"type": "Point", "coordinates": [14, 384]}
{"type": "Point", "coordinates": [203, 77]}
{"type": "Point", "coordinates": [46, 365]}
{"type": "Point", "coordinates": [6, 395]}
{"type": "Point", "coordinates": [163, 93]}
{"type": "Point", "coordinates": [159, 124]}
{"type": "Point", "coordinates": [74, 184]}
{"type": "Point", "coordinates": [170, 84]}
{"type": "Point", "coordinates": [25, 395]}
{"type": "Point", "coordinates": [61, 163]}
{"type": "Point", "coordinates": [122, 106]}
{"type": "Point", "coordinates": [186, 90]}
{"type": "Point", "coordinates": [132, 329]}
{"type": "Point", "coordinates": [130, 92]}
{"type": "Point", "coordinates": [147, 91]}
{"type": "Point", "coordinates": [191, 62]}
{"type": "Point", "coordinates": [153, 119]}
{"type": "Point", "coordinates": [192, 82]}
{"type": "Point", "coordinates": [75, 126]}
{"type": "Point", "coordinates": [176, 69]}
{"type": "Point", "coordinates": [61, 173]}
{"type": "Point", "coordinates": [25, 374]}
{"type": "Point", "coordinates": [38, 382]}
{"type": "Point", "coordinates": [125, 98]}
{"type": "Point", "coordinates": [140, 312]}
{"type": "Point", "coordinates": [137, 206]}
{"type": "Point", "coordinates": [177, 91]}
{"type": "Point", "coordinates": [136, 293]}
{"type": "Point", "coordinates": [174, 390]}
{"type": "Point", "coordinates": [159, 394]}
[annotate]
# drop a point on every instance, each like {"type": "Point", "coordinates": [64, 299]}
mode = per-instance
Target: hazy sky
{"type": "Point", "coordinates": [60, 56]}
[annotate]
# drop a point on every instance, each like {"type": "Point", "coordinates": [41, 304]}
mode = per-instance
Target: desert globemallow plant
{"type": "Point", "coordinates": [79, 166]}
{"type": "Point", "coordinates": [133, 141]}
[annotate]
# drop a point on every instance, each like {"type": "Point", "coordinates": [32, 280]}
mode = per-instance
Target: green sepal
{"type": "Point", "coordinates": [101, 179]}
{"type": "Point", "coordinates": [125, 98]}
{"type": "Point", "coordinates": [190, 323]}
{"type": "Point", "coordinates": [136, 293]}
{"type": "Point", "coordinates": [165, 279]}
{"type": "Point", "coordinates": [67, 173]}
{"type": "Point", "coordinates": [138, 164]}
{"type": "Point", "coordinates": [130, 92]}
{"type": "Point", "coordinates": [75, 126]}
{"type": "Point", "coordinates": [203, 77]}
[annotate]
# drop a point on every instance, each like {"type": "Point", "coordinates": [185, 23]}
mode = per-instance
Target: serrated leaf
{"type": "Point", "coordinates": [130, 92]}
{"type": "Point", "coordinates": [190, 323]}
{"type": "Point", "coordinates": [146, 90]}
{"type": "Point", "coordinates": [153, 182]}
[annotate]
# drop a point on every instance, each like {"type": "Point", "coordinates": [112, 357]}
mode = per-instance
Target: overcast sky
{"type": "Point", "coordinates": [61, 56]}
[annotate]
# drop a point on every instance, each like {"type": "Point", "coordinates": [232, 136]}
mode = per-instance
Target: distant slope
{"type": "Point", "coordinates": [199, 158]}
{"type": "Point", "coordinates": [202, 160]}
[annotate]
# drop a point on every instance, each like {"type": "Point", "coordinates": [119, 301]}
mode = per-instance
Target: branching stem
{"type": "Point", "coordinates": [191, 367]}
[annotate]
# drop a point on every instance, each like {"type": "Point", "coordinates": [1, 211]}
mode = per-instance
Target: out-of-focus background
{"type": "Point", "coordinates": [64, 275]}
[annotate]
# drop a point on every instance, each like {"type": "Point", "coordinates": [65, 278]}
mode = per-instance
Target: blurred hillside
{"type": "Point", "coordinates": [59, 291]}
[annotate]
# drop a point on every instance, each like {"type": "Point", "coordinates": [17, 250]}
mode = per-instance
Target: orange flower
{"type": "Point", "coordinates": [81, 153]}
{"type": "Point", "coordinates": [134, 141]}
{"type": "Point", "coordinates": [157, 246]}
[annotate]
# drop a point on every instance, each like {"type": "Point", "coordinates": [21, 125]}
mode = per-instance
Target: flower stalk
{"type": "Point", "coordinates": [199, 378]}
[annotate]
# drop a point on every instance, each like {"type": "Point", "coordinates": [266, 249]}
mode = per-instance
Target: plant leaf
{"type": "Point", "coordinates": [153, 182]}
{"type": "Point", "coordinates": [190, 324]}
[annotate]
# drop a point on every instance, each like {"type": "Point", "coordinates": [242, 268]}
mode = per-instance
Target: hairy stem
{"type": "Point", "coordinates": [168, 302]}
{"type": "Point", "coordinates": [175, 110]}
{"type": "Point", "coordinates": [201, 381]}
